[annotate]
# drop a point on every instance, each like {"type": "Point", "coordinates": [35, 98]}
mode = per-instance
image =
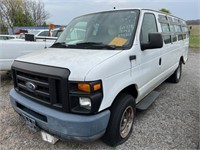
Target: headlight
{"type": "Point", "coordinates": [85, 97]}
{"type": "Point", "coordinates": [85, 102]}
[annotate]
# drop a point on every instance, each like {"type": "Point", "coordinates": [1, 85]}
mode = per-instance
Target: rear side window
{"type": "Point", "coordinates": [166, 32]}
{"type": "Point", "coordinates": [185, 32]}
{"type": "Point", "coordinates": [148, 26]}
{"type": "Point", "coordinates": [178, 28]}
{"type": "Point", "coordinates": [173, 32]}
{"type": "Point", "coordinates": [173, 29]}
{"type": "Point", "coordinates": [179, 32]}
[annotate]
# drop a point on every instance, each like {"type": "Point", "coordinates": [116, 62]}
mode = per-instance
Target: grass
{"type": "Point", "coordinates": [195, 37]}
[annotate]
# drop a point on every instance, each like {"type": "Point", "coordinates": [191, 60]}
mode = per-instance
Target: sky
{"type": "Point", "coordinates": [63, 11]}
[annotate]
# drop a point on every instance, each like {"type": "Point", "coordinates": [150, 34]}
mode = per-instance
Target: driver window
{"type": "Point", "coordinates": [148, 26]}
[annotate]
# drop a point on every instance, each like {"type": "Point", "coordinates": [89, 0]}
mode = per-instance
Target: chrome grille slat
{"type": "Point", "coordinates": [35, 98]}
{"type": "Point", "coordinates": [36, 91]}
{"type": "Point", "coordinates": [34, 81]}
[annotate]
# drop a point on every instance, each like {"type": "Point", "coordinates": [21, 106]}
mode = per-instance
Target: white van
{"type": "Point", "coordinates": [101, 69]}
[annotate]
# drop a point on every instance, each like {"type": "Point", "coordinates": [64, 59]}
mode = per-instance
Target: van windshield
{"type": "Point", "coordinates": [105, 30]}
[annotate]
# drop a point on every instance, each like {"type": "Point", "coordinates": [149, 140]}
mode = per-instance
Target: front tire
{"type": "Point", "coordinates": [121, 120]}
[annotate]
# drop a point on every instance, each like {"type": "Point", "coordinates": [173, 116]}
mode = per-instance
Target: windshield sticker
{"type": "Point", "coordinates": [118, 41]}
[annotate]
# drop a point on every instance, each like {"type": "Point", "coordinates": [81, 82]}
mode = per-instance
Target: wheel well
{"type": "Point", "coordinates": [131, 89]}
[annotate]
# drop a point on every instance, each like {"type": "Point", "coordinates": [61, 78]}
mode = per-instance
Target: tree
{"type": "Point", "coordinates": [8, 10]}
{"type": "Point", "coordinates": [165, 11]}
{"type": "Point", "coordinates": [193, 22]}
{"type": "Point", "coordinates": [23, 20]}
{"type": "Point", "coordinates": [36, 11]}
{"type": "Point", "coordinates": [22, 13]}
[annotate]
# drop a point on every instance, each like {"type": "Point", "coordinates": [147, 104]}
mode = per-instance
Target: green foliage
{"type": "Point", "coordinates": [3, 30]}
{"type": "Point", "coordinates": [195, 37]}
{"type": "Point", "coordinates": [165, 10]}
{"type": "Point", "coordinates": [21, 19]}
{"type": "Point", "coordinates": [22, 13]}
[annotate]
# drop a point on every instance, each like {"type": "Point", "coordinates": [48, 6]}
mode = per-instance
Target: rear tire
{"type": "Point", "coordinates": [176, 76]}
{"type": "Point", "coordinates": [121, 120]}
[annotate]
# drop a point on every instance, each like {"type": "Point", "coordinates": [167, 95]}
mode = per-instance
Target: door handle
{"type": "Point", "coordinates": [132, 57]}
{"type": "Point", "coordinates": [160, 61]}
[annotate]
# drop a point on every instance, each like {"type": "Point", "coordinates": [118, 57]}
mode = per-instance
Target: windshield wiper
{"type": "Point", "coordinates": [84, 45]}
{"type": "Point", "coordinates": [62, 45]}
{"type": "Point", "coordinates": [59, 45]}
{"type": "Point", "coordinates": [95, 45]}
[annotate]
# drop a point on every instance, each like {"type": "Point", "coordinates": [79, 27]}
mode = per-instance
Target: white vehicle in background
{"type": "Point", "coordinates": [46, 33]}
{"type": "Point", "coordinates": [12, 46]}
{"type": "Point", "coordinates": [7, 37]}
{"type": "Point", "coordinates": [42, 33]}
{"type": "Point", "coordinates": [11, 49]}
{"type": "Point", "coordinates": [57, 32]}
{"type": "Point", "coordinates": [25, 43]}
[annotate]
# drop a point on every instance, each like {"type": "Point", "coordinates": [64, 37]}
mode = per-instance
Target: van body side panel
{"type": "Point", "coordinates": [185, 49]}
{"type": "Point", "coordinates": [170, 56]}
{"type": "Point", "coordinates": [148, 64]}
{"type": "Point", "coordinates": [172, 52]}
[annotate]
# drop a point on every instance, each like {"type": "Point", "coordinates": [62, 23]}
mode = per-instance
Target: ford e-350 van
{"type": "Point", "coordinates": [102, 68]}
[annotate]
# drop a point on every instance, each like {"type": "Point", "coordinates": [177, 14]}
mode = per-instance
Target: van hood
{"type": "Point", "coordinates": [78, 61]}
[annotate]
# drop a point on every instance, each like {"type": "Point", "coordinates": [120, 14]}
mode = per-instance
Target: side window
{"type": "Point", "coordinates": [187, 32]}
{"type": "Point", "coordinates": [11, 37]}
{"type": "Point", "coordinates": [148, 26]}
{"type": "Point", "coordinates": [179, 32]}
{"type": "Point", "coordinates": [44, 33]}
{"type": "Point", "coordinates": [184, 30]}
{"type": "Point", "coordinates": [166, 32]}
{"type": "Point", "coordinates": [173, 32]}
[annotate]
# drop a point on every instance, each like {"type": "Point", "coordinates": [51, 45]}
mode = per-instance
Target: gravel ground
{"type": "Point", "coordinates": [172, 122]}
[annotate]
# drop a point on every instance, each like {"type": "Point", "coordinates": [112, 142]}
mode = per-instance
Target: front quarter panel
{"type": "Point", "coordinates": [115, 75]}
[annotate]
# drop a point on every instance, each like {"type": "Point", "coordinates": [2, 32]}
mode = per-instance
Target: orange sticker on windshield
{"type": "Point", "coordinates": [118, 41]}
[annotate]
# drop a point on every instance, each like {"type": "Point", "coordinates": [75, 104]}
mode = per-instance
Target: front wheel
{"type": "Point", "coordinates": [121, 120]}
{"type": "Point", "coordinates": [176, 76]}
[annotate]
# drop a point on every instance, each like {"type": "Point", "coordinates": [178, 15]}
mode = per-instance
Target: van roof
{"type": "Point", "coordinates": [157, 11]}
{"type": "Point", "coordinates": [163, 13]}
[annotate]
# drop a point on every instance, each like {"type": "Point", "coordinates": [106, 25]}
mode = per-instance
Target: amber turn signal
{"type": "Point", "coordinates": [85, 87]}
{"type": "Point", "coordinates": [97, 86]}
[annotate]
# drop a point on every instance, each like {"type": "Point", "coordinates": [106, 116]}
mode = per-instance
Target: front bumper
{"type": "Point", "coordinates": [62, 125]}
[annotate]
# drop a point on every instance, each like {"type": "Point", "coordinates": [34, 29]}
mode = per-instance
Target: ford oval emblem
{"type": "Point", "coordinates": [30, 86]}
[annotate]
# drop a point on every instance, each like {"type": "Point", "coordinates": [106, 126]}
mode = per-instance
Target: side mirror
{"type": "Point", "coordinates": [155, 41]}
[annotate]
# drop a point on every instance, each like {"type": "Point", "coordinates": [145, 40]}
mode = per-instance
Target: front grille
{"type": "Point", "coordinates": [50, 88]}
{"type": "Point", "coordinates": [42, 84]}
